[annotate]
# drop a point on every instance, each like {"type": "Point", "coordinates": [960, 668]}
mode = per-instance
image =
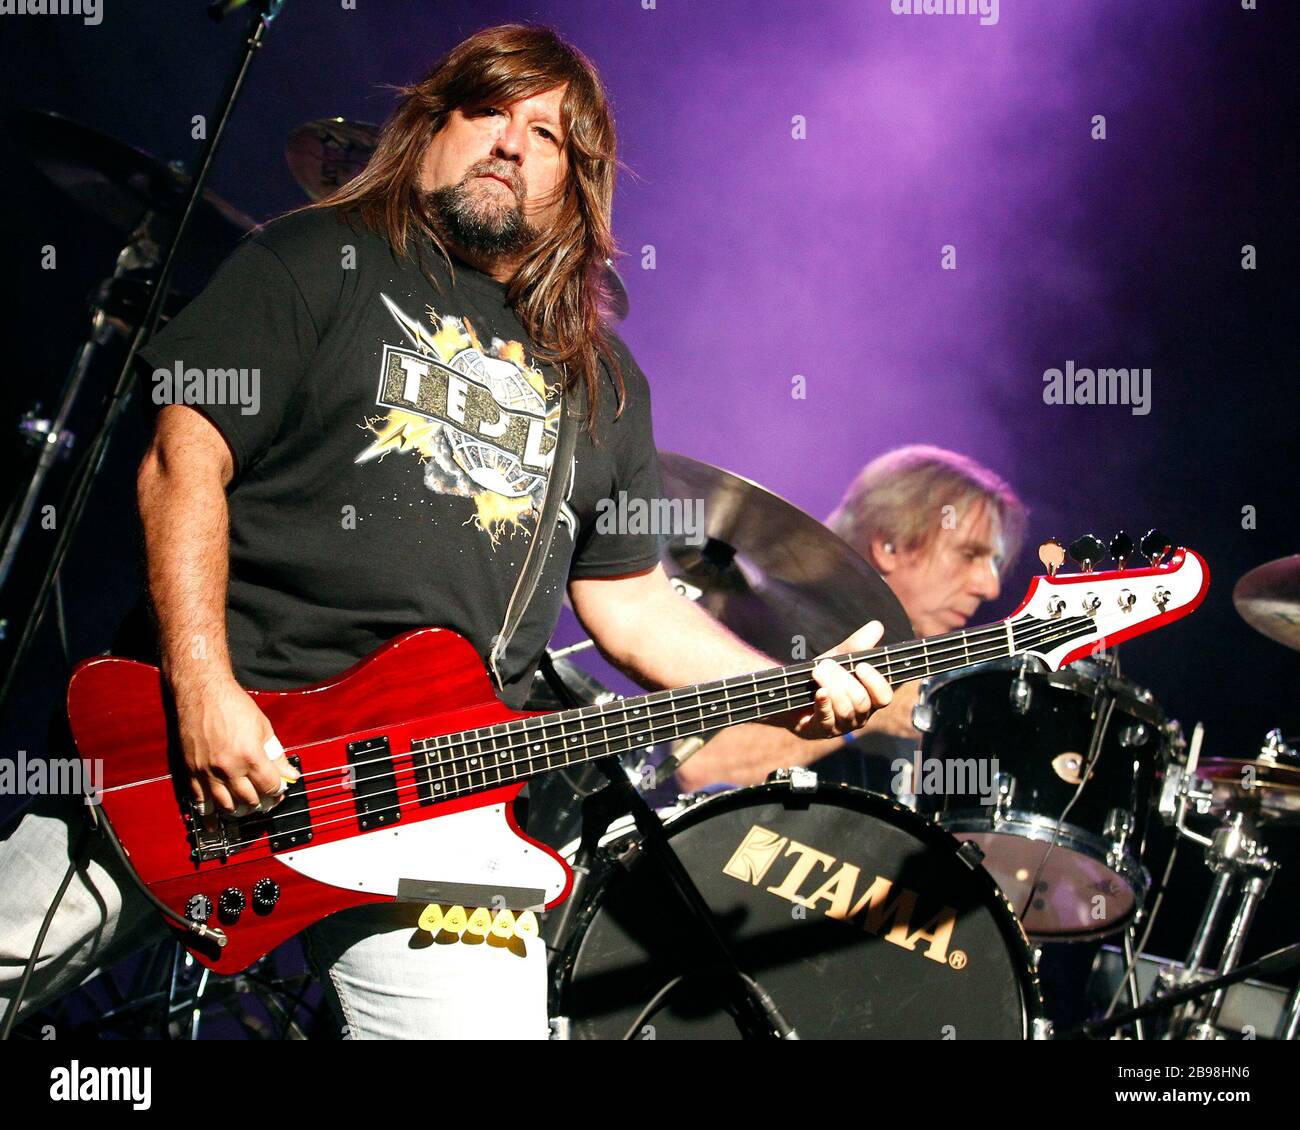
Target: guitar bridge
{"type": "Point", "coordinates": [208, 838]}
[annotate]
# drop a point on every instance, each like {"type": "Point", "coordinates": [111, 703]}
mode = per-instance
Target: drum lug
{"type": "Point", "coordinates": [1042, 1029]}
{"type": "Point", "coordinates": [923, 711]}
{"type": "Point", "coordinates": [559, 1028]}
{"type": "Point", "coordinates": [972, 854]}
{"type": "Point", "coordinates": [923, 717]}
{"type": "Point", "coordinates": [1132, 736]}
{"type": "Point", "coordinates": [1022, 694]}
{"type": "Point", "coordinates": [798, 777]}
{"type": "Point", "coordinates": [1119, 825]}
{"type": "Point", "coordinates": [1006, 785]}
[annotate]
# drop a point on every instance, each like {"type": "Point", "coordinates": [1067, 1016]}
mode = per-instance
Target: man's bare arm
{"type": "Point", "coordinates": [745, 755]}
{"type": "Point", "coordinates": [661, 639]}
{"type": "Point", "coordinates": [181, 492]}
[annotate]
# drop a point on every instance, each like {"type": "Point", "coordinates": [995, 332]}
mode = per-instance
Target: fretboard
{"type": "Point", "coordinates": [473, 760]}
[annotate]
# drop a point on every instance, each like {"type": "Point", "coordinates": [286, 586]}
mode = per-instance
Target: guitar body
{"type": "Point", "coordinates": [426, 683]}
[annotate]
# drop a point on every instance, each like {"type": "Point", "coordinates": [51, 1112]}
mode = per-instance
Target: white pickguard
{"type": "Point", "coordinates": [476, 846]}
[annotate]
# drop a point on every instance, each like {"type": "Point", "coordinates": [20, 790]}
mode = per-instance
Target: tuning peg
{"type": "Point", "coordinates": [1121, 548]}
{"type": "Point", "coordinates": [1087, 551]}
{"type": "Point", "coordinates": [1156, 546]}
{"type": "Point", "coordinates": [1052, 555]}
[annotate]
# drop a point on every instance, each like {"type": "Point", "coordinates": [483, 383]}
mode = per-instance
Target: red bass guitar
{"type": "Point", "coordinates": [410, 763]}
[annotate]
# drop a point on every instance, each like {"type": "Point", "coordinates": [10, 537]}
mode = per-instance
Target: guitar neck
{"type": "Point", "coordinates": [472, 760]}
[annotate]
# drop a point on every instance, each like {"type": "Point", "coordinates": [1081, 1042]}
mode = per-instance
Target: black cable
{"type": "Point", "coordinates": [11, 1013]}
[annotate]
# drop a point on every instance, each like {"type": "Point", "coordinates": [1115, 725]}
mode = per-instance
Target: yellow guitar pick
{"type": "Point", "coordinates": [526, 925]}
{"type": "Point", "coordinates": [431, 918]}
{"type": "Point", "coordinates": [480, 922]}
{"type": "Point", "coordinates": [454, 920]}
{"type": "Point", "coordinates": [503, 926]}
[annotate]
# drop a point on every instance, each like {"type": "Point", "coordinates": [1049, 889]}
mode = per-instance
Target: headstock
{"type": "Point", "coordinates": [1066, 616]}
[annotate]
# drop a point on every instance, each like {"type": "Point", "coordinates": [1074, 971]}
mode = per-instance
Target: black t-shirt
{"type": "Point", "coordinates": [391, 456]}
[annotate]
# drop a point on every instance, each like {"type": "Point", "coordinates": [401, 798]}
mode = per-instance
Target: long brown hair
{"type": "Point", "coordinates": [557, 291]}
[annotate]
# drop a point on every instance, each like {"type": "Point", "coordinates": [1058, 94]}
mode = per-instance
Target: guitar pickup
{"type": "Point", "coordinates": [374, 783]}
{"type": "Point", "coordinates": [290, 820]}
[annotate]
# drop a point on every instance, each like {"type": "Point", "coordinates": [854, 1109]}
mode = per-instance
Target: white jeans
{"type": "Point", "coordinates": [386, 978]}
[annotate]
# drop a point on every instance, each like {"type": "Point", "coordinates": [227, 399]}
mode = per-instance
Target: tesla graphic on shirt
{"type": "Point", "coordinates": [483, 421]}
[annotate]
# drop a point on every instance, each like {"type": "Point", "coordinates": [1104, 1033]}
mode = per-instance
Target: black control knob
{"type": "Point", "coordinates": [198, 908]}
{"type": "Point", "coordinates": [266, 893]}
{"type": "Point", "coordinates": [231, 903]}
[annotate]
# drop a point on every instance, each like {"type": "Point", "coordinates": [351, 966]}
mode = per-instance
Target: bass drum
{"type": "Point", "coordinates": [858, 918]}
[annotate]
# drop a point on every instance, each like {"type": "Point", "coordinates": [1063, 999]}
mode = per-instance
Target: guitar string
{"type": "Point", "coordinates": [561, 720]}
{"type": "Point", "coordinates": [348, 798]}
{"type": "Point", "coordinates": [752, 685]}
{"type": "Point", "coordinates": [669, 716]}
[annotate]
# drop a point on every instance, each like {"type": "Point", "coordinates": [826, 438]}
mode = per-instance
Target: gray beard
{"type": "Point", "coordinates": [487, 233]}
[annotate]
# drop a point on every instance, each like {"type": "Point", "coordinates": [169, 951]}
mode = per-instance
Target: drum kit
{"type": "Point", "coordinates": [1053, 849]}
{"type": "Point", "coordinates": [952, 889]}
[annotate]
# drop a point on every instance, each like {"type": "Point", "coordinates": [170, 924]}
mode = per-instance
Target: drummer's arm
{"type": "Point", "coordinates": [745, 755]}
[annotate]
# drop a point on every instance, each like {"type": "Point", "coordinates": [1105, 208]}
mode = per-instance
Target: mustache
{"type": "Point", "coordinates": [488, 170]}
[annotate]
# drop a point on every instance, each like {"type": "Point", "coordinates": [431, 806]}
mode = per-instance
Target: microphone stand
{"type": "Point", "coordinates": [74, 506]}
{"type": "Point", "coordinates": [703, 951]}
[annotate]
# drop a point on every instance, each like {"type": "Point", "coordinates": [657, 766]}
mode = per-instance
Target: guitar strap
{"type": "Point", "coordinates": [557, 489]}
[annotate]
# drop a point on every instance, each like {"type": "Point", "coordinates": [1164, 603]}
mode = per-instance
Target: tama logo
{"type": "Point", "coordinates": [879, 908]}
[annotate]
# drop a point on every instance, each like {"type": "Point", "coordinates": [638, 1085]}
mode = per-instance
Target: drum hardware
{"type": "Point", "coordinates": [1234, 855]}
{"type": "Point", "coordinates": [1252, 1005]}
{"type": "Point", "coordinates": [922, 711]}
{"type": "Point", "coordinates": [1006, 784]}
{"type": "Point", "coordinates": [1289, 1028]}
{"type": "Point", "coordinates": [1243, 795]}
{"type": "Point", "coordinates": [799, 778]}
{"type": "Point", "coordinates": [1021, 692]}
{"type": "Point", "coordinates": [1130, 980]}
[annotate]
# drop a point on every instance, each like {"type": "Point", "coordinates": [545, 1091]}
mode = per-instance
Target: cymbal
{"type": "Point", "coordinates": [1267, 789]}
{"type": "Point", "coordinates": [119, 183]}
{"type": "Point", "coordinates": [767, 570]}
{"type": "Point", "coordinates": [325, 154]}
{"type": "Point", "coordinates": [1268, 599]}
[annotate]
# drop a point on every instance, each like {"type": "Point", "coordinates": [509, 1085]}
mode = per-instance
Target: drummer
{"type": "Point", "coordinates": [940, 528]}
